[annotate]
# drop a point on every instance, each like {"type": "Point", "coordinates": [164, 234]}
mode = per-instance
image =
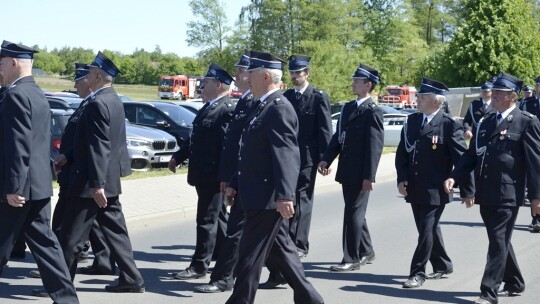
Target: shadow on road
{"type": "Point", "coordinates": [418, 294]}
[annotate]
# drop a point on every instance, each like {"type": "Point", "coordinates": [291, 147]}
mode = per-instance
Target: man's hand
{"type": "Point", "coordinates": [468, 135]}
{"type": "Point", "coordinates": [172, 165]}
{"type": "Point", "coordinates": [285, 208]}
{"type": "Point", "coordinates": [99, 197]}
{"type": "Point", "coordinates": [367, 185]}
{"type": "Point", "coordinates": [535, 207]}
{"type": "Point", "coordinates": [223, 186]}
{"type": "Point", "coordinates": [15, 200]}
{"type": "Point", "coordinates": [230, 193]}
{"type": "Point", "coordinates": [322, 168]}
{"type": "Point", "coordinates": [402, 188]}
{"type": "Point", "coordinates": [469, 201]}
{"type": "Point", "coordinates": [449, 185]}
{"type": "Point", "coordinates": [60, 160]}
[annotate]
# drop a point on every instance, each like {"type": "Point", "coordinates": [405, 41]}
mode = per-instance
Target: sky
{"type": "Point", "coordinates": [116, 25]}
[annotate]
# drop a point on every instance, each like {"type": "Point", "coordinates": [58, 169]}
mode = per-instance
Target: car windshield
{"type": "Point", "coordinates": [395, 91]}
{"type": "Point", "coordinates": [176, 113]}
{"type": "Point", "coordinates": [165, 82]}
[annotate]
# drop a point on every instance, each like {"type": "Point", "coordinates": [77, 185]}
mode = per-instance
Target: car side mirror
{"type": "Point", "coordinates": [162, 124]}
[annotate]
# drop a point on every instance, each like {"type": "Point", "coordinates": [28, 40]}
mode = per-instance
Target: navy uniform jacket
{"type": "Point", "coordinates": [25, 135]}
{"type": "Point", "coordinates": [229, 156]}
{"type": "Point", "coordinates": [67, 140]}
{"type": "Point", "coordinates": [424, 168]}
{"type": "Point", "coordinates": [100, 154]}
{"type": "Point", "coordinates": [475, 112]}
{"type": "Point", "coordinates": [361, 150]}
{"type": "Point", "coordinates": [206, 142]}
{"type": "Point", "coordinates": [531, 105]}
{"type": "Point", "coordinates": [269, 161]}
{"type": "Point", "coordinates": [504, 157]}
{"type": "Point", "coordinates": [315, 124]}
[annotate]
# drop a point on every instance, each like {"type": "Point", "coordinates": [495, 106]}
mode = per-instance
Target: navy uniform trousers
{"type": "Point", "coordinates": [356, 237]}
{"type": "Point", "coordinates": [33, 219]}
{"type": "Point", "coordinates": [430, 245]}
{"type": "Point", "coordinates": [266, 234]}
{"type": "Point", "coordinates": [209, 207]}
{"type": "Point", "coordinates": [501, 265]}
{"type": "Point", "coordinates": [103, 261]}
{"type": "Point", "coordinates": [81, 214]}
{"type": "Point", "coordinates": [224, 272]}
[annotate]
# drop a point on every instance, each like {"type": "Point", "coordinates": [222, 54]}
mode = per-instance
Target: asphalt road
{"type": "Point", "coordinates": [166, 247]}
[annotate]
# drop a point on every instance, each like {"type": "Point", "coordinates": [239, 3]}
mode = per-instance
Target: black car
{"type": "Point", "coordinates": [59, 120]}
{"type": "Point", "coordinates": [166, 116]}
{"type": "Point", "coordinates": [63, 102]}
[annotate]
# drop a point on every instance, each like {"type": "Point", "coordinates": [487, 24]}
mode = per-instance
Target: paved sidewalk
{"type": "Point", "coordinates": [159, 199]}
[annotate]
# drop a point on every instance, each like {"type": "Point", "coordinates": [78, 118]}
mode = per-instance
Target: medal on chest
{"type": "Point", "coordinates": [434, 141]}
{"type": "Point", "coordinates": [503, 133]}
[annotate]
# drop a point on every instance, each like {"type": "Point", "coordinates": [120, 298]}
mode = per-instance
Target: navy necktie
{"type": "Point", "coordinates": [424, 123]}
{"type": "Point", "coordinates": [298, 96]}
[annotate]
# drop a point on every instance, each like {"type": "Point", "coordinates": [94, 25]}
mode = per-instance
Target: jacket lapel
{"type": "Point", "coordinates": [505, 124]}
{"type": "Point", "coordinates": [428, 128]}
{"type": "Point", "coordinates": [359, 109]}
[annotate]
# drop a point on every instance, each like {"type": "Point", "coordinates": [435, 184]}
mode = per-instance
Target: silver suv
{"type": "Point", "coordinates": [149, 147]}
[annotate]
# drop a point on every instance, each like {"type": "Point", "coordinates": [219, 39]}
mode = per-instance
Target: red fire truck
{"type": "Point", "coordinates": [178, 87]}
{"type": "Point", "coordinates": [399, 97]}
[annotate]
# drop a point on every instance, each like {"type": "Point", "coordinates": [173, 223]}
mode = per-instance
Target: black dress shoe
{"type": "Point", "coordinates": [35, 274]}
{"type": "Point", "coordinates": [414, 282]}
{"type": "Point", "coordinates": [40, 292]}
{"type": "Point", "coordinates": [210, 288]}
{"type": "Point", "coordinates": [508, 291]}
{"type": "Point", "coordinates": [438, 275]}
{"type": "Point", "coordinates": [367, 259]}
{"type": "Point", "coordinates": [189, 274]}
{"type": "Point", "coordinates": [271, 284]}
{"type": "Point", "coordinates": [345, 267]}
{"type": "Point", "coordinates": [134, 288]}
{"type": "Point", "coordinates": [91, 270]}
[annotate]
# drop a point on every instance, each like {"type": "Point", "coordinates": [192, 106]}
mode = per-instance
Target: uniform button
{"type": "Point", "coordinates": [485, 176]}
{"type": "Point", "coordinates": [239, 173]}
{"type": "Point", "coordinates": [416, 163]}
{"type": "Point", "coordinates": [239, 158]}
{"type": "Point", "coordinates": [487, 153]}
{"type": "Point", "coordinates": [489, 143]}
{"type": "Point", "coordinates": [485, 166]}
{"type": "Point", "coordinates": [265, 180]}
{"type": "Point", "coordinates": [415, 173]}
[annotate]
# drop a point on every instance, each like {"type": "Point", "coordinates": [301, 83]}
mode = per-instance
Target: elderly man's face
{"type": "Point", "coordinates": [83, 89]}
{"type": "Point", "coordinates": [256, 82]}
{"type": "Point", "coordinates": [427, 103]}
{"type": "Point", "coordinates": [7, 67]}
{"type": "Point", "coordinates": [502, 100]}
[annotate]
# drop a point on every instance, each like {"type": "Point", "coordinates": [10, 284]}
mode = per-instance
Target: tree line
{"type": "Point", "coordinates": [460, 42]}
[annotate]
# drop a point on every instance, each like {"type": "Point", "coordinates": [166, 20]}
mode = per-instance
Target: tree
{"type": "Point", "coordinates": [490, 40]}
{"type": "Point", "coordinates": [50, 63]}
{"type": "Point", "coordinates": [210, 30]}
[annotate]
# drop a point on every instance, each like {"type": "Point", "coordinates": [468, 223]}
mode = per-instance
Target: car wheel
{"type": "Point", "coordinates": [138, 164]}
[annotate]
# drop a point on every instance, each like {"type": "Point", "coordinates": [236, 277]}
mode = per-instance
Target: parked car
{"type": "Point", "coordinates": [59, 120]}
{"type": "Point", "coordinates": [149, 147]}
{"type": "Point", "coordinates": [165, 116]}
{"type": "Point", "coordinates": [63, 102]}
{"type": "Point", "coordinates": [393, 123]}
{"type": "Point", "coordinates": [193, 105]}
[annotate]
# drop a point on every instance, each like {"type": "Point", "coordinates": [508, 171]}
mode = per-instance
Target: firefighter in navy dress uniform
{"type": "Point", "coordinates": [431, 144]}
{"type": "Point", "coordinates": [203, 150]}
{"type": "Point", "coordinates": [25, 174]}
{"type": "Point", "coordinates": [358, 141]}
{"type": "Point", "coordinates": [504, 156]}
{"type": "Point", "coordinates": [312, 107]}
{"type": "Point", "coordinates": [477, 109]}
{"type": "Point", "coordinates": [222, 277]}
{"type": "Point", "coordinates": [268, 167]}
{"type": "Point", "coordinates": [100, 159]}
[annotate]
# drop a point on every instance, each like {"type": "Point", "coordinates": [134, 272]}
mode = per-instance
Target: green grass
{"type": "Point", "coordinates": [389, 150]}
{"type": "Point", "coordinates": [135, 92]}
